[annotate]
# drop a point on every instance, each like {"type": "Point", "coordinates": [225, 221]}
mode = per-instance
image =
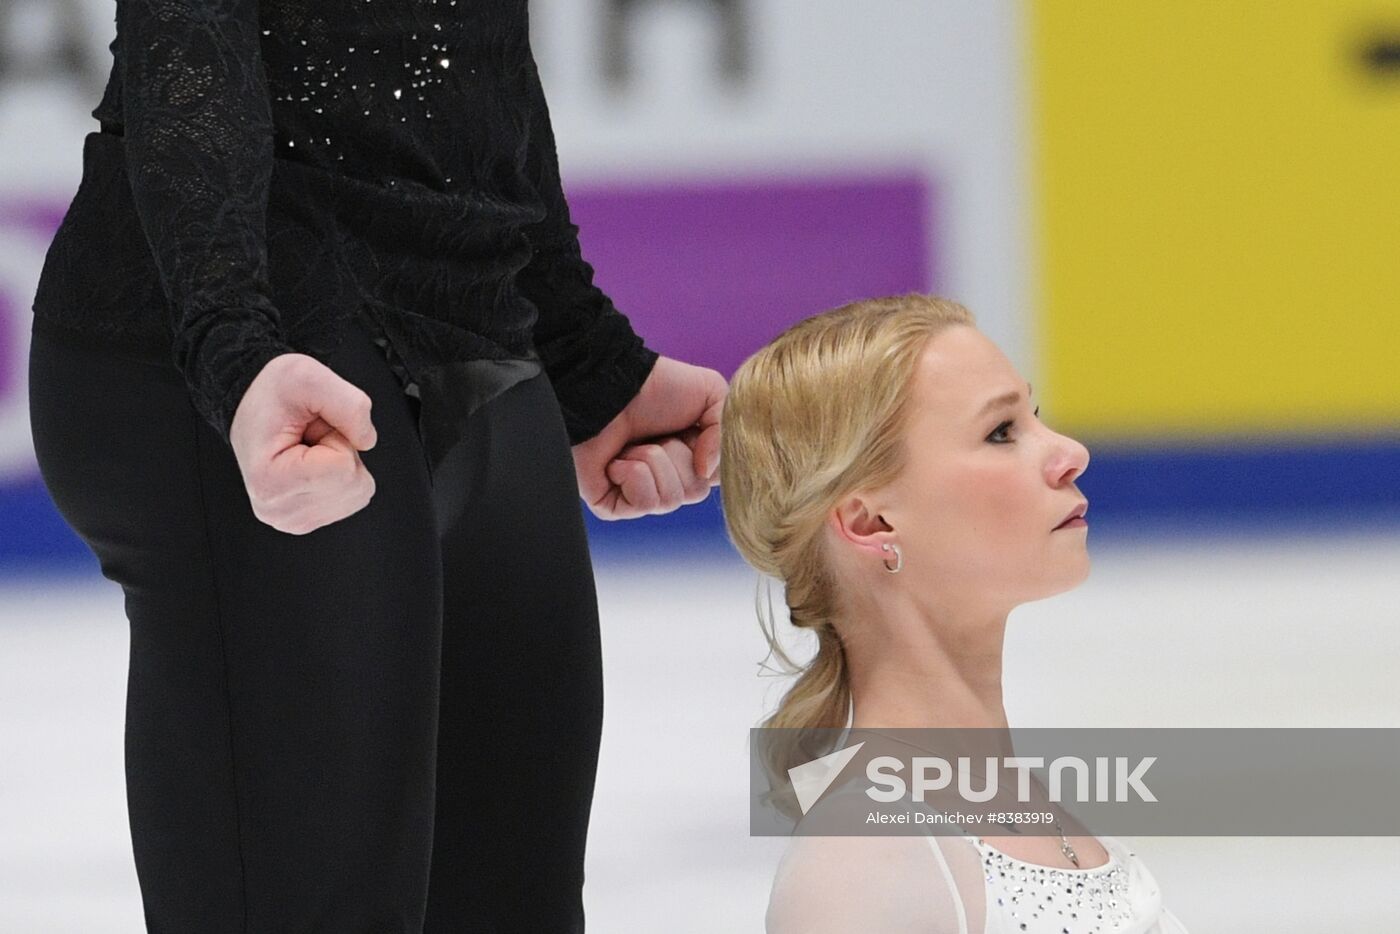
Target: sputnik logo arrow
{"type": "Point", "coordinates": [811, 779]}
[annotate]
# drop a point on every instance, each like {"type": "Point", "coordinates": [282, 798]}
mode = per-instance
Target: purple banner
{"type": "Point", "coordinates": [710, 271]}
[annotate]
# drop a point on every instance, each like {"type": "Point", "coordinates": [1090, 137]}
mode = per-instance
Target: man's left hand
{"type": "Point", "coordinates": [659, 453]}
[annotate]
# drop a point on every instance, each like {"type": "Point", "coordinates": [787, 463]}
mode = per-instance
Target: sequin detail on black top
{"type": "Point", "coordinates": [263, 170]}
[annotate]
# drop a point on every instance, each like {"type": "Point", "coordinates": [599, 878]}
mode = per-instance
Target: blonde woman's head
{"type": "Point", "coordinates": [868, 426]}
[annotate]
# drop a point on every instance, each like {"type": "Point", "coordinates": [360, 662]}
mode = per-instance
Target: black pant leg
{"type": "Point", "coordinates": [283, 690]}
{"type": "Point", "coordinates": [522, 695]}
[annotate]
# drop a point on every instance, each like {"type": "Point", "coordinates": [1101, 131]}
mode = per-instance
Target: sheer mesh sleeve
{"type": "Point", "coordinates": [594, 359]}
{"type": "Point", "coordinates": [878, 885]}
{"type": "Point", "coordinates": [198, 144]}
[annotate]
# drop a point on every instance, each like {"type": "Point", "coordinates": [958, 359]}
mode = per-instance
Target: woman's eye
{"type": "Point", "coordinates": [1006, 425]}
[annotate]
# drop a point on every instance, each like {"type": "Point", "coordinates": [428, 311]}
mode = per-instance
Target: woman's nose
{"type": "Point", "coordinates": [1070, 461]}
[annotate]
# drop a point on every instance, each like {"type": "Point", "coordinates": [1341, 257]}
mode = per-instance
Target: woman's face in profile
{"type": "Point", "coordinates": [985, 487]}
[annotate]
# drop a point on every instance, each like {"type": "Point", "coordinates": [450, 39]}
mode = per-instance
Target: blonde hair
{"type": "Point", "coordinates": [817, 414]}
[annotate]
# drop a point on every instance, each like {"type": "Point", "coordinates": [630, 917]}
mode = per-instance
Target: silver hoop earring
{"type": "Point", "coordinates": [898, 558]}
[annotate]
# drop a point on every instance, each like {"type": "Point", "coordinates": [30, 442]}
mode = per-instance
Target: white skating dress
{"type": "Point", "coordinates": [957, 884]}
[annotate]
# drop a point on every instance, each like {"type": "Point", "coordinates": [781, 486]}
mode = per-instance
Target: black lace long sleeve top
{"type": "Point", "coordinates": [263, 169]}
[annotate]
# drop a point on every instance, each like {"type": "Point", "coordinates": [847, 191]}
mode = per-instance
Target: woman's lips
{"type": "Point", "coordinates": [1075, 519]}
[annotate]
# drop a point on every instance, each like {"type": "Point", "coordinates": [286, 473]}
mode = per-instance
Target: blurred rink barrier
{"type": "Point", "coordinates": [1181, 221]}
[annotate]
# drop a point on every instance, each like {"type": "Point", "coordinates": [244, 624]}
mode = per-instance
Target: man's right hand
{"type": "Point", "coordinates": [297, 434]}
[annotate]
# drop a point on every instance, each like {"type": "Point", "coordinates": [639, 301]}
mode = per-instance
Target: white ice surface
{"type": "Point", "coordinates": [1296, 633]}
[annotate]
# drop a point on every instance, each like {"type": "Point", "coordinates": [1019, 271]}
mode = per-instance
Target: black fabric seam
{"type": "Point", "coordinates": [228, 693]}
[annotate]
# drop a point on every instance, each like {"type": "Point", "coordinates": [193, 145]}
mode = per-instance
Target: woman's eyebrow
{"type": "Point", "coordinates": [1005, 399]}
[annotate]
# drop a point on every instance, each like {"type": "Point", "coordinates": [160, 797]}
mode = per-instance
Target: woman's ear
{"type": "Point", "coordinates": [856, 520]}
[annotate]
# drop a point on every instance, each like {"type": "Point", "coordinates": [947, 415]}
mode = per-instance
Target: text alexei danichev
{"type": "Point", "coordinates": [925, 817]}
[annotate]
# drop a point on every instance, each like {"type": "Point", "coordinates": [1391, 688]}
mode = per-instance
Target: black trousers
{"type": "Point", "coordinates": [390, 724]}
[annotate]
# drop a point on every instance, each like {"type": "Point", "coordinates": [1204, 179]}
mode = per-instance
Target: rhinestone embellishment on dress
{"type": "Point", "coordinates": [1044, 900]}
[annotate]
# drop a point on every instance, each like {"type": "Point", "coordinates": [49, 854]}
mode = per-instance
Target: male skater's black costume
{"type": "Point", "coordinates": [391, 723]}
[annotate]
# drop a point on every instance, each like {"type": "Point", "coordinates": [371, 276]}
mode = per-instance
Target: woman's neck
{"type": "Point", "coordinates": [921, 673]}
